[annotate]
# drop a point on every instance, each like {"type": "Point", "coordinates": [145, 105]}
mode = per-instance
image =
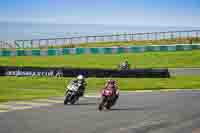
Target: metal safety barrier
{"type": "Point", "coordinates": [104, 50]}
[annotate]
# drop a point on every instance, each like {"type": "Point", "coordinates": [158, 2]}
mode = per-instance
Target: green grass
{"type": "Point", "coordinates": [26, 88]}
{"type": "Point", "coordinates": [138, 60]}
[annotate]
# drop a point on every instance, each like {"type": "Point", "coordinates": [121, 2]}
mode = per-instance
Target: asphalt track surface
{"type": "Point", "coordinates": [150, 112]}
{"type": "Point", "coordinates": [184, 71]}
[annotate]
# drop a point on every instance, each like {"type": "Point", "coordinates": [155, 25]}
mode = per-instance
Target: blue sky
{"type": "Point", "coordinates": [123, 12]}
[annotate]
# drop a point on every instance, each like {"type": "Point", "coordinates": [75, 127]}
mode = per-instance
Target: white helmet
{"type": "Point", "coordinates": [80, 77]}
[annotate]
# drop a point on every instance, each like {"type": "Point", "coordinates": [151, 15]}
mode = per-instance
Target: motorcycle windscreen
{"type": "Point", "coordinates": [107, 93]}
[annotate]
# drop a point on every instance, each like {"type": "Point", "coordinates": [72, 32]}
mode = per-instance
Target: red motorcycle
{"type": "Point", "coordinates": [107, 99]}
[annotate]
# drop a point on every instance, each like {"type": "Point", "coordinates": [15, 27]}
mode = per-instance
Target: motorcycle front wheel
{"type": "Point", "coordinates": [67, 96]}
{"type": "Point", "coordinates": [101, 105]}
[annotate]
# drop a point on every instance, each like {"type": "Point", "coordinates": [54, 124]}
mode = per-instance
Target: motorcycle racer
{"type": "Point", "coordinates": [80, 80]}
{"type": "Point", "coordinates": [111, 84]}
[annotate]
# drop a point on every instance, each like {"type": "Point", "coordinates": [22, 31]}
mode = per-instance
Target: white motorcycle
{"type": "Point", "coordinates": [71, 95]}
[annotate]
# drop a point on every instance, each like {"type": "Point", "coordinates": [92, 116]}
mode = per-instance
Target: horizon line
{"type": "Point", "coordinates": [127, 25]}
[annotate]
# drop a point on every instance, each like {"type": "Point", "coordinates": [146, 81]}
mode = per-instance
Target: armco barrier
{"type": "Point", "coordinates": [106, 50]}
{"type": "Point", "coordinates": [72, 72]}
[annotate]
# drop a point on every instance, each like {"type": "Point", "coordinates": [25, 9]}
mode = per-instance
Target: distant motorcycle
{"type": "Point", "coordinates": [124, 66]}
{"type": "Point", "coordinates": [107, 99]}
{"type": "Point", "coordinates": [71, 95]}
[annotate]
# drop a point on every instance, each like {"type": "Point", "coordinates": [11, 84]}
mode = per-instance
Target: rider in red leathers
{"type": "Point", "coordinates": [111, 84]}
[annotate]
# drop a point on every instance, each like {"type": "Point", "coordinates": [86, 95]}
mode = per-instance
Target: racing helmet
{"type": "Point", "coordinates": [126, 61]}
{"type": "Point", "coordinates": [111, 81]}
{"type": "Point", "coordinates": [80, 77]}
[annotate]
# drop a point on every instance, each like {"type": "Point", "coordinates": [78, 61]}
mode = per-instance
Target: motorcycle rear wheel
{"type": "Point", "coordinates": [74, 99]}
{"type": "Point", "coordinates": [108, 106]}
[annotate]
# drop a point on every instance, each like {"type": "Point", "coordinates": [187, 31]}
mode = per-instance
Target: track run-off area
{"type": "Point", "coordinates": [141, 112]}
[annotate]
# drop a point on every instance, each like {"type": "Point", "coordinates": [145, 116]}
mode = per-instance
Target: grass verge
{"type": "Point", "coordinates": [137, 60]}
{"type": "Point", "coordinates": [26, 88]}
